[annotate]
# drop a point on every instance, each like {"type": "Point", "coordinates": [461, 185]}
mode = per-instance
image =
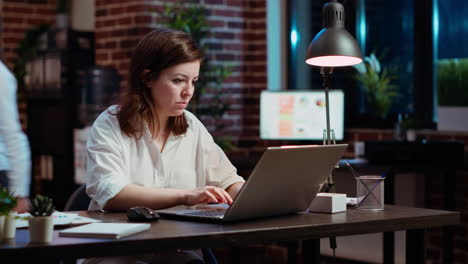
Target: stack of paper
{"type": "Point", "coordinates": [60, 218]}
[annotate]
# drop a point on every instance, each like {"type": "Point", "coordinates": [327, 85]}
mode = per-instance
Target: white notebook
{"type": "Point", "coordinates": [104, 230]}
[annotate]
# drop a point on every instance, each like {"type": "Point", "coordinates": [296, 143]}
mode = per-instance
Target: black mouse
{"type": "Point", "coordinates": [142, 214]}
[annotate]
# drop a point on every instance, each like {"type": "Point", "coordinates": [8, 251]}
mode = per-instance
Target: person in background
{"type": "Point", "coordinates": [15, 156]}
{"type": "Point", "coordinates": [148, 150]}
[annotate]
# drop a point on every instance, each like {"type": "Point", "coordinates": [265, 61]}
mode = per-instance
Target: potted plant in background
{"type": "Point", "coordinates": [8, 217]}
{"type": "Point", "coordinates": [378, 87]}
{"type": "Point", "coordinates": [25, 53]}
{"type": "Point", "coordinates": [409, 126]}
{"type": "Point", "coordinates": [452, 91]}
{"type": "Point", "coordinates": [41, 224]}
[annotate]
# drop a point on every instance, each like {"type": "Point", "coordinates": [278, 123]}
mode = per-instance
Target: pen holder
{"type": "Point", "coordinates": [370, 192]}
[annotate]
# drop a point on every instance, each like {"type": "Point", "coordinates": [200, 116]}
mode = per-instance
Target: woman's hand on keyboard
{"type": "Point", "coordinates": [207, 194]}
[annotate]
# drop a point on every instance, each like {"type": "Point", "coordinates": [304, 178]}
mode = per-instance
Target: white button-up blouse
{"type": "Point", "coordinates": [186, 162]}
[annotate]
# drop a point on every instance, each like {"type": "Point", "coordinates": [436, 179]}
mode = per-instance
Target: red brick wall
{"type": "Point", "coordinates": [18, 16]}
{"type": "Point", "coordinates": [238, 38]}
{"type": "Point", "coordinates": [119, 26]}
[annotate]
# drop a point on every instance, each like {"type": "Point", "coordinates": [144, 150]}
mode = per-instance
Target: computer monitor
{"type": "Point", "coordinates": [300, 115]}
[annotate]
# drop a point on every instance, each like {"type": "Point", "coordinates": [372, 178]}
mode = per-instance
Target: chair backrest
{"type": "Point", "coordinates": [79, 200]}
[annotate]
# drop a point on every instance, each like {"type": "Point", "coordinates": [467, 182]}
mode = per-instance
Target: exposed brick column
{"type": "Point", "coordinates": [19, 16]}
{"type": "Point", "coordinates": [226, 46]}
{"type": "Point", "coordinates": [119, 27]}
{"type": "Point", "coordinates": [254, 72]}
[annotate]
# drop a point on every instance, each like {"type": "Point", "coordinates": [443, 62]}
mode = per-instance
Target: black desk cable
{"type": "Point", "coordinates": [330, 188]}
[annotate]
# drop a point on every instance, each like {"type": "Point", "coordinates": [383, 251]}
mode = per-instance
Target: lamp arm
{"type": "Point", "coordinates": [325, 72]}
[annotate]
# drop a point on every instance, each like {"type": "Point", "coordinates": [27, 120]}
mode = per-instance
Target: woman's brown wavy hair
{"type": "Point", "coordinates": [157, 51]}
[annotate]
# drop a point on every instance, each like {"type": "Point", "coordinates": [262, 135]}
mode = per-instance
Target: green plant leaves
{"type": "Point", "coordinates": [8, 201]}
{"type": "Point", "coordinates": [380, 92]}
{"type": "Point", "coordinates": [452, 82]}
{"type": "Point", "coordinates": [42, 206]}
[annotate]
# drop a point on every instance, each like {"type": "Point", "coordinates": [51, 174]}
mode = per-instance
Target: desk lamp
{"type": "Point", "coordinates": [332, 47]}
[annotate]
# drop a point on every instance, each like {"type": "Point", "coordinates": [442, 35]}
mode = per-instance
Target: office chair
{"type": "Point", "coordinates": [79, 201]}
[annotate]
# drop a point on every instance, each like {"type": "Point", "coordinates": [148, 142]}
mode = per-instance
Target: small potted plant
{"type": "Point", "coordinates": [8, 202]}
{"type": "Point", "coordinates": [41, 224]}
{"type": "Point", "coordinates": [410, 125]}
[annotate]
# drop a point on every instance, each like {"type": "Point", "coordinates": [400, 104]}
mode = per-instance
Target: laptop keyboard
{"type": "Point", "coordinates": [208, 213]}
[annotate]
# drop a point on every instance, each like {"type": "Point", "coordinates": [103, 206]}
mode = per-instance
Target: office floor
{"type": "Point", "coordinates": [271, 254]}
{"type": "Point", "coordinates": [329, 260]}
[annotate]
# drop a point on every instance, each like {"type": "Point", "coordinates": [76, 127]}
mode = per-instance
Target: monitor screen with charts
{"type": "Point", "coordinates": [300, 115]}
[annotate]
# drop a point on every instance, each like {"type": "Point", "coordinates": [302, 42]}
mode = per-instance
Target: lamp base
{"type": "Point", "coordinates": [328, 203]}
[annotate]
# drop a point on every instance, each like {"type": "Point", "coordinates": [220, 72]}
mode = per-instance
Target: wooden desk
{"type": "Point", "coordinates": [171, 234]}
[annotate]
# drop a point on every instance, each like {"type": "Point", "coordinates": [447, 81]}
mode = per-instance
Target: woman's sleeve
{"type": "Point", "coordinates": [105, 161]}
{"type": "Point", "coordinates": [219, 170]}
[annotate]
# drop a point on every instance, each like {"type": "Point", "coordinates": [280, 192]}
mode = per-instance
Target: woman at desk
{"type": "Point", "coordinates": [148, 150]}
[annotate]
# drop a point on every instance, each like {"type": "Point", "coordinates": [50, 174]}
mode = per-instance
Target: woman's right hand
{"type": "Point", "coordinates": [207, 194]}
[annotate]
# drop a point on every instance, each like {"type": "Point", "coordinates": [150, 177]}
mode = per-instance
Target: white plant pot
{"type": "Point", "coordinates": [41, 229]}
{"type": "Point", "coordinates": [9, 229]}
{"type": "Point", "coordinates": [2, 225]}
{"type": "Point", "coordinates": [452, 118]}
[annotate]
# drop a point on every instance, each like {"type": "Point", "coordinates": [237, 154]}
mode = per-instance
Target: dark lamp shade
{"type": "Point", "coordinates": [333, 47]}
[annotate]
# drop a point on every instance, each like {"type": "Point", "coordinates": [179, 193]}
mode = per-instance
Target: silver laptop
{"type": "Point", "coordinates": [285, 180]}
